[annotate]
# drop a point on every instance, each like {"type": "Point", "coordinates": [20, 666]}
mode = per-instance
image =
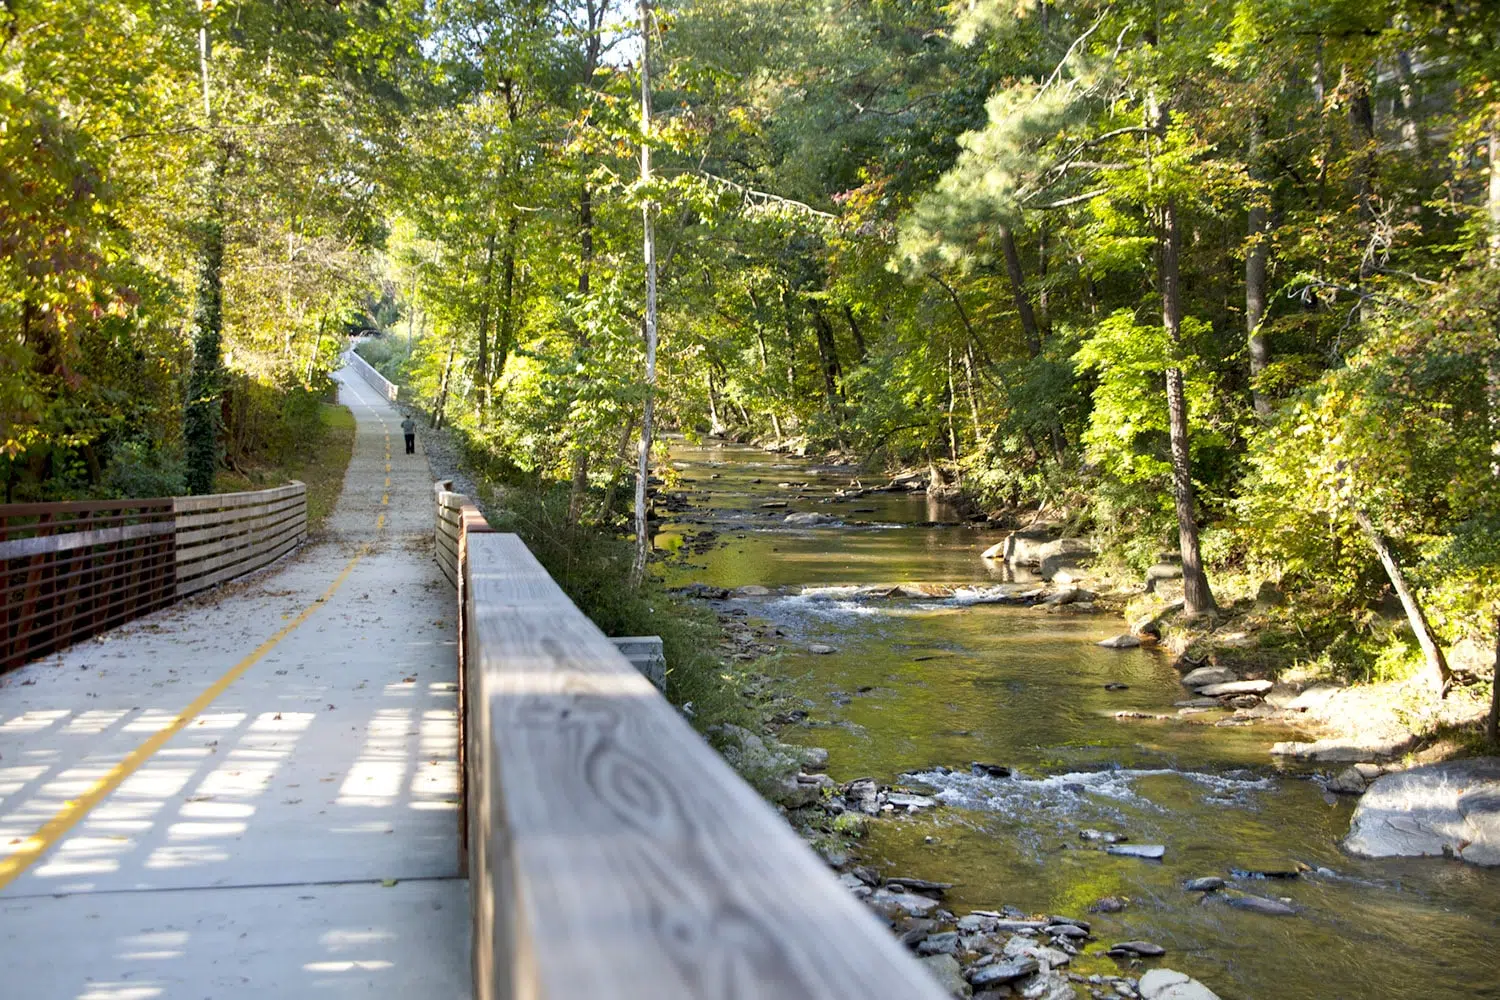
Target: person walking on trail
{"type": "Point", "coordinates": [409, 428]}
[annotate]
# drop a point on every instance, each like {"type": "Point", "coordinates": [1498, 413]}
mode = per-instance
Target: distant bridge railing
{"type": "Point", "coordinates": [377, 381]}
{"type": "Point", "coordinates": [611, 852]}
{"type": "Point", "coordinates": [72, 570]}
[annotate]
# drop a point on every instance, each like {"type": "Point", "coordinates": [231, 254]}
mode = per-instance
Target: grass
{"type": "Point", "coordinates": [321, 466]}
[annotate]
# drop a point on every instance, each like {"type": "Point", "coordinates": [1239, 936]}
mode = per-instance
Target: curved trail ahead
{"type": "Point", "coordinates": [255, 793]}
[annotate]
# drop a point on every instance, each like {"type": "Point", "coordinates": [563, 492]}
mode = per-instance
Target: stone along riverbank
{"type": "Point", "coordinates": [1095, 805]}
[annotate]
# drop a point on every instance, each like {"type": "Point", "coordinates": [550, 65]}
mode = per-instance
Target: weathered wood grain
{"type": "Point", "coordinates": [18, 548]}
{"type": "Point", "coordinates": [613, 854]}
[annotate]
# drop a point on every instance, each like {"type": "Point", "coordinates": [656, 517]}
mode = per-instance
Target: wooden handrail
{"type": "Point", "coordinates": [612, 853]}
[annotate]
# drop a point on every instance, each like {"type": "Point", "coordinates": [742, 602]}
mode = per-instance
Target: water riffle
{"type": "Point", "coordinates": [920, 688]}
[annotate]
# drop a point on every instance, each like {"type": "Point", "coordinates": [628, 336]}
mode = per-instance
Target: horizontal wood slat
{"type": "Point", "coordinates": [19, 547]}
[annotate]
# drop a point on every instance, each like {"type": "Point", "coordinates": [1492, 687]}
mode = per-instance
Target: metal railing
{"type": "Point", "coordinates": [69, 571]}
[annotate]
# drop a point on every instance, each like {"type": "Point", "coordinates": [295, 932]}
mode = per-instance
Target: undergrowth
{"type": "Point", "coordinates": [592, 565]}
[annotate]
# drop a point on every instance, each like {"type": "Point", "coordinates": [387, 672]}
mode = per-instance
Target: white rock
{"type": "Point", "coordinates": [1452, 808]}
{"type": "Point", "coordinates": [1151, 852]}
{"type": "Point", "coordinates": [822, 649]}
{"type": "Point", "coordinates": [1204, 676]}
{"type": "Point", "coordinates": [996, 551]}
{"type": "Point", "coordinates": [1121, 642]}
{"type": "Point", "coordinates": [1166, 984]}
{"type": "Point", "coordinates": [1236, 687]}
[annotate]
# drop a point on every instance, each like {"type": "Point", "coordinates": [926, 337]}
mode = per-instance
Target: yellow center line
{"type": "Point", "coordinates": [66, 818]}
{"type": "Point", "coordinates": [39, 843]}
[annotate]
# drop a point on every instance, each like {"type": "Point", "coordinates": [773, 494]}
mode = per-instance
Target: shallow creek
{"type": "Point", "coordinates": [918, 684]}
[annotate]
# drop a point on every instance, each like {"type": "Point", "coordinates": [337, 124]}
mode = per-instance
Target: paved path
{"type": "Point", "coordinates": [298, 837]}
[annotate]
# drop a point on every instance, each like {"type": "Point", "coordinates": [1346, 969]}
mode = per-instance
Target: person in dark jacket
{"type": "Point", "coordinates": [409, 428]}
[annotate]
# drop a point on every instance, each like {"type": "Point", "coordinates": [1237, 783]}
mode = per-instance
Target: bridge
{"type": "Point", "coordinates": [393, 762]}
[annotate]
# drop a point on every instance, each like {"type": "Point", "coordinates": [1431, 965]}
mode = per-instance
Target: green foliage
{"type": "Point", "coordinates": [592, 565]}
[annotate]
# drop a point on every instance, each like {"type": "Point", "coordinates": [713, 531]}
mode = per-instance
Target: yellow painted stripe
{"type": "Point", "coordinates": [66, 818]}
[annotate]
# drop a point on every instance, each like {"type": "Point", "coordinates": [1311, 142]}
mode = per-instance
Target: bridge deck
{"type": "Point", "coordinates": [254, 794]}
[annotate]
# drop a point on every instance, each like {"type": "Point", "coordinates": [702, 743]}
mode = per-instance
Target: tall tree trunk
{"type": "Point", "coordinates": [312, 358]}
{"type": "Point", "coordinates": [1255, 269]}
{"type": "Point", "coordinates": [1044, 312]}
{"type": "Point", "coordinates": [203, 413]}
{"type": "Point", "coordinates": [765, 365]}
{"type": "Point", "coordinates": [973, 397]}
{"type": "Point", "coordinates": [648, 246]}
{"type": "Point", "coordinates": [715, 425]}
{"type": "Point", "coordinates": [1411, 125]}
{"type": "Point", "coordinates": [828, 354]}
{"type": "Point", "coordinates": [858, 335]}
{"type": "Point", "coordinates": [952, 401]}
{"type": "Point", "coordinates": [1438, 674]}
{"type": "Point", "coordinates": [578, 491]}
{"type": "Point", "coordinates": [1017, 278]}
{"type": "Point", "coordinates": [507, 332]}
{"type": "Point", "coordinates": [622, 453]}
{"type": "Point", "coordinates": [1197, 597]}
{"type": "Point", "coordinates": [482, 355]}
{"type": "Point", "coordinates": [440, 405]}
{"type": "Point", "coordinates": [1362, 127]}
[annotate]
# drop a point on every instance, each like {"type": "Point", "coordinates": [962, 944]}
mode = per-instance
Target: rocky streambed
{"type": "Point", "coordinates": [886, 657]}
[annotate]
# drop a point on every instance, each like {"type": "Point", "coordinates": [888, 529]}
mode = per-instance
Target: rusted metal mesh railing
{"type": "Point", "coordinates": [72, 570]}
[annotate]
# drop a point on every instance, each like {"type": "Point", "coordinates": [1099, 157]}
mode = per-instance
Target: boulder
{"type": "Point", "coordinates": [1235, 687]}
{"type": "Point", "coordinates": [995, 974]}
{"type": "Point", "coordinates": [753, 590]}
{"type": "Point", "coordinates": [808, 520]}
{"type": "Point", "coordinates": [996, 551]}
{"type": "Point", "coordinates": [894, 904]}
{"type": "Point", "coordinates": [1151, 852]}
{"type": "Point", "coordinates": [1207, 883]}
{"type": "Point", "coordinates": [1024, 548]}
{"type": "Point", "coordinates": [1346, 751]}
{"type": "Point", "coordinates": [1121, 642]}
{"type": "Point", "coordinates": [1313, 698]}
{"type": "Point", "coordinates": [1137, 949]}
{"type": "Point", "coordinates": [1056, 558]}
{"type": "Point", "coordinates": [903, 800]}
{"type": "Point", "coordinates": [946, 970]}
{"type": "Point", "coordinates": [1262, 905]}
{"type": "Point", "coordinates": [1204, 676]}
{"type": "Point", "coordinates": [1161, 571]}
{"type": "Point", "coordinates": [821, 648]}
{"type": "Point", "coordinates": [945, 943]}
{"type": "Point", "coordinates": [1166, 984]}
{"type": "Point", "coordinates": [1452, 809]}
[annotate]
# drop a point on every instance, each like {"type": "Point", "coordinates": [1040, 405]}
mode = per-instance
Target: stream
{"type": "Point", "coordinates": [919, 687]}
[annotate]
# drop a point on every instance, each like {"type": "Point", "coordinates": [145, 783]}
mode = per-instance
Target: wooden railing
{"type": "Point", "coordinates": [72, 570]}
{"type": "Point", "coordinates": [611, 852]}
{"type": "Point", "coordinates": [225, 535]}
{"type": "Point", "coordinates": [377, 381]}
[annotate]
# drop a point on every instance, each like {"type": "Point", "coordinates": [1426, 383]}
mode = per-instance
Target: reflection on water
{"type": "Point", "coordinates": [918, 685]}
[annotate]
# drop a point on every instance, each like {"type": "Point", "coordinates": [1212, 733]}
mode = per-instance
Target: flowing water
{"type": "Point", "coordinates": [918, 687]}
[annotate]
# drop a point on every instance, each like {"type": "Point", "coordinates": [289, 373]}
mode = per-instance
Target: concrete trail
{"type": "Point", "coordinates": [295, 836]}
